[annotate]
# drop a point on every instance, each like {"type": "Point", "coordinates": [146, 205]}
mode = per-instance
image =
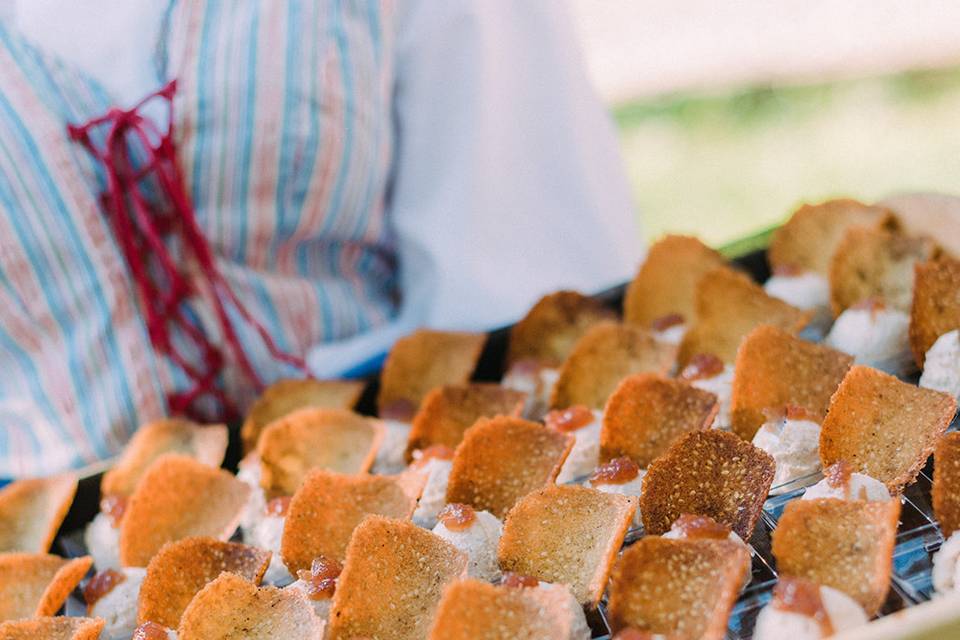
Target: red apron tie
{"type": "Point", "coordinates": [163, 281]}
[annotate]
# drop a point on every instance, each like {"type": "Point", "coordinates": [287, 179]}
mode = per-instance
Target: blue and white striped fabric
{"type": "Point", "coordinates": [283, 120]}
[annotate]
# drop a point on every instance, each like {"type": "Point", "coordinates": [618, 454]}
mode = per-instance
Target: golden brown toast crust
{"type": "Point", "coordinates": [876, 264]}
{"type": "Point", "coordinates": [333, 439]}
{"type": "Point", "coordinates": [604, 356]}
{"type": "Point", "coordinates": [230, 608]}
{"type": "Point", "coordinates": [392, 580]}
{"type": "Point", "coordinates": [729, 306]}
{"type": "Point", "coordinates": [681, 587]}
{"type": "Point", "coordinates": [709, 473]}
{"type": "Point", "coordinates": [285, 396]}
{"type": "Point", "coordinates": [181, 569]}
{"type": "Point", "coordinates": [206, 443]}
{"type": "Point", "coordinates": [935, 309]}
{"type": "Point", "coordinates": [421, 361]}
{"type": "Point", "coordinates": [775, 369]}
{"type": "Point", "coordinates": [37, 584]}
{"type": "Point", "coordinates": [844, 544]}
{"type": "Point", "coordinates": [475, 610]}
{"type": "Point", "coordinates": [50, 628]}
{"type": "Point", "coordinates": [567, 535]}
{"type": "Point", "coordinates": [31, 511]}
{"type": "Point", "coordinates": [552, 326]}
{"type": "Point", "coordinates": [808, 240]}
{"type": "Point", "coordinates": [883, 427]}
{"type": "Point", "coordinates": [503, 459]}
{"type": "Point", "coordinates": [328, 507]}
{"type": "Point", "coordinates": [648, 412]}
{"type": "Point", "coordinates": [449, 410]}
{"type": "Point", "coordinates": [178, 498]}
{"type": "Point", "coordinates": [667, 280]}
{"type": "Point", "coordinates": [946, 483]}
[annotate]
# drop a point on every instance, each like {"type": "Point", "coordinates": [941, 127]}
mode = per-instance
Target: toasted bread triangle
{"type": "Point", "coordinates": [876, 264]}
{"type": "Point", "coordinates": [775, 369]}
{"type": "Point", "coordinates": [667, 280]}
{"type": "Point", "coordinates": [883, 427]}
{"type": "Point", "coordinates": [474, 610]}
{"type": "Point", "coordinates": [392, 580]}
{"type": "Point", "coordinates": [178, 498]}
{"type": "Point", "coordinates": [503, 459]}
{"type": "Point", "coordinates": [182, 568]}
{"type": "Point", "coordinates": [708, 473]}
{"type": "Point", "coordinates": [286, 396]}
{"type": "Point", "coordinates": [32, 510]}
{"type": "Point", "coordinates": [449, 410]}
{"type": "Point", "coordinates": [552, 326]}
{"type": "Point", "coordinates": [679, 588]}
{"type": "Point", "coordinates": [50, 628]}
{"type": "Point", "coordinates": [808, 240]}
{"type": "Point", "coordinates": [729, 306]}
{"type": "Point", "coordinates": [935, 309]}
{"type": "Point", "coordinates": [329, 506]}
{"type": "Point", "coordinates": [844, 544]}
{"type": "Point", "coordinates": [605, 355]}
{"type": "Point", "coordinates": [648, 412]}
{"type": "Point", "coordinates": [37, 584]}
{"type": "Point", "coordinates": [946, 483]}
{"type": "Point", "coordinates": [568, 535]}
{"type": "Point", "coordinates": [421, 361]}
{"type": "Point", "coordinates": [206, 443]}
{"type": "Point", "coordinates": [231, 607]}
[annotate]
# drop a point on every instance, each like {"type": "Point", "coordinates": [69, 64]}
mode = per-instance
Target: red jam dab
{"type": "Point", "coordinates": [434, 451]}
{"type": "Point", "coordinates": [700, 528]}
{"type": "Point", "coordinates": [100, 585]}
{"type": "Point", "coordinates": [114, 506]}
{"type": "Point", "coordinates": [702, 366]}
{"type": "Point", "coordinates": [150, 631]}
{"type": "Point", "coordinates": [321, 580]}
{"type": "Point", "coordinates": [838, 474]}
{"type": "Point", "coordinates": [802, 597]}
{"type": "Point", "coordinates": [456, 516]}
{"type": "Point", "coordinates": [618, 471]}
{"type": "Point", "coordinates": [278, 506]}
{"type": "Point", "coordinates": [400, 409]}
{"type": "Point", "coordinates": [517, 581]}
{"type": "Point", "coordinates": [665, 322]}
{"type": "Point", "coordinates": [569, 419]}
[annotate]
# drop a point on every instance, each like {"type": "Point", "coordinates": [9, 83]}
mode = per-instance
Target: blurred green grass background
{"type": "Point", "coordinates": [726, 165]}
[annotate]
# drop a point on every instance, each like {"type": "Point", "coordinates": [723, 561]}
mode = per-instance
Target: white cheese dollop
{"type": "Point", "coordinates": [434, 494]}
{"type": "Point", "coordinates": [877, 337]}
{"type": "Point", "coordinates": [946, 568]}
{"type": "Point", "coordinates": [558, 598]}
{"type": "Point", "coordinates": [720, 385]}
{"type": "Point", "coordinates": [103, 542]}
{"type": "Point", "coordinates": [268, 534]}
{"type": "Point", "coordinates": [859, 487]}
{"type": "Point", "coordinates": [630, 488]}
{"type": "Point", "coordinates": [479, 541]}
{"type": "Point", "coordinates": [941, 366]}
{"type": "Point", "coordinates": [118, 607]}
{"type": "Point", "coordinates": [585, 452]}
{"type": "Point", "coordinates": [776, 624]}
{"type": "Point", "coordinates": [795, 447]}
{"type": "Point", "coordinates": [390, 455]}
{"type": "Point", "coordinates": [535, 381]}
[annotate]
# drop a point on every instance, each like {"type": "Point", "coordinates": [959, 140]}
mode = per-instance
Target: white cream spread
{"type": "Point", "coordinates": [859, 486]}
{"type": "Point", "coordinates": [876, 337]}
{"type": "Point", "coordinates": [794, 445]}
{"type": "Point", "coordinates": [434, 494]}
{"type": "Point", "coordinates": [585, 452]}
{"type": "Point", "coordinates": [807, 290]}
{"type": "Point", "coordinates": [720, 385]}
{"type": "Point", "coordinates": [390, 456]}
{"type": "Point", "coordinates": [946, 567]}
{"type": "Point", "coordinates": [118, 607]}
{"type": "Point", "coordinates": [268, 534]}
{"type": "Point", "coordinates": [559, 598]}
{"type": "Point", "coordinates": [479, 541]}
{"type": "Point", "coordinates": [629, 488]}
{"type": "Point", "coordinates": [671, 335]}
{"type": "Point", "coordinates": [103, 542]}
{"type": "Point", "coordinates": [941, 366]}
{"type": "Point", "coordinates": [535, 381]}
{"type": "Point", "coordinates": [777, 624]}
